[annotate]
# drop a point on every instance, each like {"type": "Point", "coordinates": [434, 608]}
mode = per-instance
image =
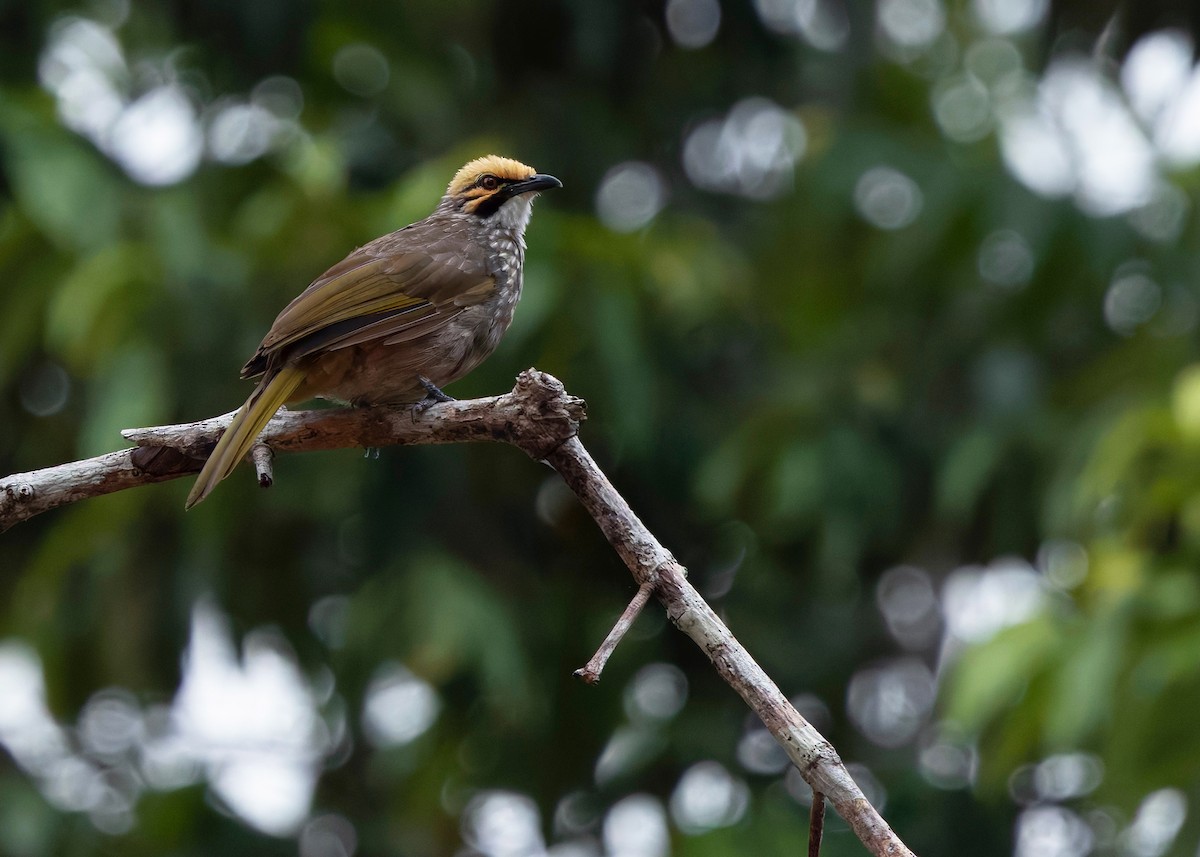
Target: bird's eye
{"type": "Point", "coordinates": [489, 182]}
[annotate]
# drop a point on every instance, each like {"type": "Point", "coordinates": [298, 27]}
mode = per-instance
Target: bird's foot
{"type": "Point", "coordinates": [433, 396]}
{"type": "Point", "coordinates": [432, 392]}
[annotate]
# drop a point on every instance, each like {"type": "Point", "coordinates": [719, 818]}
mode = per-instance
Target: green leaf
{"type": "Point", "coordinates": [989, 678]}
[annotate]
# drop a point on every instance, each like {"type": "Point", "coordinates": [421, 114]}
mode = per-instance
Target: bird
{"type": "Point", "coordinates": [401, 316]}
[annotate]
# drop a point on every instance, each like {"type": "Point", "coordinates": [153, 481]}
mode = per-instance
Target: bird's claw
{"type": "Point", "coordinates": [433, 393]}
{"type": "Point", "coordinates": [433, 396]}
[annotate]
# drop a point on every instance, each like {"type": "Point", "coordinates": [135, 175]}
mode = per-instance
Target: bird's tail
{"type": "Point", "coordinates": [271, 392]}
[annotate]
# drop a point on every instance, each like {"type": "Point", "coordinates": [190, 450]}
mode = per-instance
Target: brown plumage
{"type": "Point", "coordinates": [414, 309]}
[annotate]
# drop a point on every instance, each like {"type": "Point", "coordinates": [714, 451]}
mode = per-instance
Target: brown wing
{"type": "Point", "coordinates": [410, 281]}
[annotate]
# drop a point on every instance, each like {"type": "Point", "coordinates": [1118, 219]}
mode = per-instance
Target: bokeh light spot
{"type": "Point", "coordinates": [628, 748]}
{"type": "Point", "coordinates": [1067, 776]}
{"type": "Point", "coordinates": [759, 753]}
{"type": "Point", "coordinates": [503, 824]}
{"type": "Point", "coordinates": [948, 764]}
{"type": "Point", "coordinates": [270, 793]}
{"type": "Point", "coordinates": [399, 707]}
{"type": "Point", "coordinates": [281, 95]}
{"type": "Point", "coordinates": [73, 784]}
{"type": "Point", "coordinates": [911, 23]}
{"type": "Point", "coordinates": [909, 605]}
{"type": "Point", "coordinates": [979, 602]}
{"type": "Point", "coordinates": [1063, 563]}
{"type": "Point", "coordinates": [361, 69]}
{"type": "Point", "coordinates": [636, 826]}
{"type": "Point", "coordinates": [890, 703]}
{"type": "Point", "coordinates": [1155, 70]}
{"type": "Point", "coordinates": [157, 139]}
{"type": "Point", "coordinates": [693, 23]}
{"type": "Point", "coordinates": [1077, 135]}
{"type": "Point", "coordinates": [1163, 86]}
{"type": "Point", "coordinates": [110, 724]}
{"type": "Point", "coordinates": [630, 196]}
{"type": "Point", "coordinates": [84, 67]}
{"type": "Point", "coordinates": [251, 723]}
{"type": "Point", "coordinates": [239, 133]}
{"type": "Point", "coordinates": [994, 62]}
{"type": "Point", "coordinates": [1035, 151]}
{"type": "Point", "coordinates": [554, 501]}
{"type": "Point", "coordinates": [328, 618]}
{"type": "Point", "coordinates": [657, 692]}
{"type": "Point", "coordinates": [328, 836]}
{"type": "Point", "coordinates": [707, 797]}
{"type": "Point", "coordinates": [821, 23]}
{"type": "Point", "coordinates": [1006, 259]}
{"type": "Point", "coordinates": [962, 108]}
{"type": "Point", "coordinates": [45, 389]}
{"type": "Point", "coordinates": [576, 813]}
{"type": "Point", "coordinates": [1156, 824]}
{"type": "Point", "coordinates": [1132, 299]}
{"type": "Point", "coordinates": [1008, 17]}
{"type": "Point", "coordinates": [1162, 218]}
{"type": "Point", "coordinates": [752, 152]}
{"type": "Point", "coordinates": [887, 198]}
{"type": "Point", "coordinates": [1052, 831]}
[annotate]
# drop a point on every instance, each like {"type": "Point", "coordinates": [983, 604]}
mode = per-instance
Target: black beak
{"type": "Point", "coordinates": [533, 184]}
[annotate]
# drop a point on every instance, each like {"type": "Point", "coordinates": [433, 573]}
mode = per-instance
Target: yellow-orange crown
{"type": "Point", "coordinates": [505, 169]}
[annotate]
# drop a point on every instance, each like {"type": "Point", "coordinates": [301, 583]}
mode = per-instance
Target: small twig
{"type": "Point", "coordinates": [590, 672]}
{"type": "Point", "coordinates": [262, 455]}
{"type": "Point", "coordinates": [816, 824]}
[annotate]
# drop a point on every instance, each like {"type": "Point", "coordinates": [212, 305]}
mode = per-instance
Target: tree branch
{"type": "Point", "coordinates": [539, 417]}
{"type": "Point", "coordinates": [536, 416]}
{"type": "Point", "coordinates": [651, 563]}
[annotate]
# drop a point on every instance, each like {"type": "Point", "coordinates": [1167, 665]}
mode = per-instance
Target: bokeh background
{"type": "Point", "coordinates": [886, 317]}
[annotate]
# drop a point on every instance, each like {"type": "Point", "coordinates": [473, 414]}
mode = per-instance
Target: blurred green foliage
{"type": "Point", "coordinates": [793, 398]}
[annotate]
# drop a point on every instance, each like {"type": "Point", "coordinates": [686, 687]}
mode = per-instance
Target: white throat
{"type": "Point", "coordinates": [514, 214]}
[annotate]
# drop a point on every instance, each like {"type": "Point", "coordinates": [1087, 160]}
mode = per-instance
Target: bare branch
{"type": "Point", "coordinates": [815, 757]}
{"type": "Point", "coordinates": [537, 415]}
{"type": "Point", "coordinates": [540, 418]}
{"type": "Point", "coordinates": [590, 672]}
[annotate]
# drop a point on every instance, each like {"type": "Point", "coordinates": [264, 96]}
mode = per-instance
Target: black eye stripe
{"type": "Point", "coordinates": [488, 205]}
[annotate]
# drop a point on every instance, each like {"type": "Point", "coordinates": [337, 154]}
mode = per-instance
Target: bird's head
{"type": "Point", "coordinates": [497, 188]}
